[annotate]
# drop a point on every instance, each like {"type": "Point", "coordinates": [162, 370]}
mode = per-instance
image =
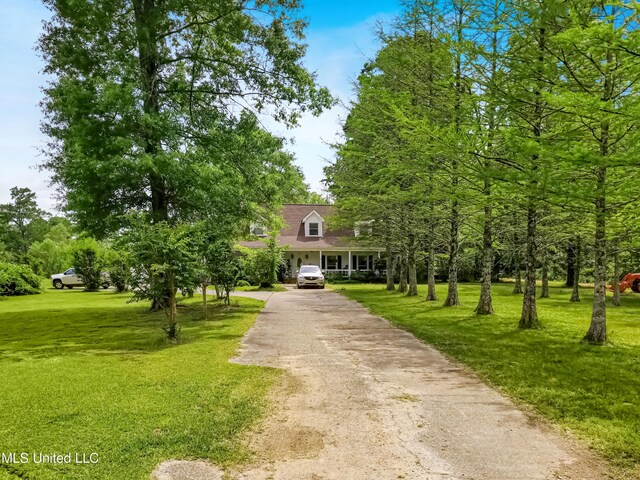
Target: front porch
{"type": "Point", "coordinates": [332, 261]}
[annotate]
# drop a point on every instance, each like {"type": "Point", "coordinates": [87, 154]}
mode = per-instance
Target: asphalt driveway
{"type": "Point", "coordinates": [366, 400]}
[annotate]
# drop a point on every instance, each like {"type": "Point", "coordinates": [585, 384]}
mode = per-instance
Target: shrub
{"type": "Point", "coordinates": [89, 262]}
{"type": "Point", "coordinates": [18, 280]}
{"type": "Point", "coordinates": [261, 265]}
{"type": "Point", "coordinates": [356, 277]}
{"type": "Point", "coordinates": [243, 283]}
{"type": "Point", "coordinates": [119, 269]}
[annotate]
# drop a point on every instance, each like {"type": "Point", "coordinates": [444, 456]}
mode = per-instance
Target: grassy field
{"type": "Point", "coordinates": [87, 372]}
{"type": "Point", "coordinates": [593, 391]}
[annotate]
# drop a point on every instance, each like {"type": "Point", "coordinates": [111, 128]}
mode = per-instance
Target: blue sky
{"type": "Point", "coordinates": [340, 38]}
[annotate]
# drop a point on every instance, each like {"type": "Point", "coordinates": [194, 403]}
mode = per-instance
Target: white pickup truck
{"type": "Point", "coordinates": [70, 279]}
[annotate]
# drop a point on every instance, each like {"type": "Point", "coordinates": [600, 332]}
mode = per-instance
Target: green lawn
{"type": "Point", "coordinates": [87, 372]}
{"type": "Point", "coordinates": [252, 288]}
{"type": "Point", "coordinates": [593, 391]}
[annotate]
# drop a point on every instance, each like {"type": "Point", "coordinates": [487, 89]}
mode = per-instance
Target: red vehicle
{"type": "Point", "coordinates": [630, 280]}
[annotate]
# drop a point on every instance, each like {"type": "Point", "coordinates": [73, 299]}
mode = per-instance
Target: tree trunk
{"type": "Point", "coordinates": [204, 299]}
{"type": "Point", "coordinates": [517, 287]}
{"type": "Point", "coordinates": [545, 274]}
{"type": "Point", "coordinates": [390, 284]}
{"type": "Point", "coordinates": [529, 317]}
{"type": "Point", "coordinates": [402, 266]}
{"type": "Point", "coordinates": [171, 310]}
{"type": "Point", "coordinates": [146, 19]}
{"type": "Point", "coordinates": [517, 260]}
{"type": "Point", "coordinates": [411, 266]}
{"type": "Point", "coordinates": [452, 287]}
{"type": "Point", "coordinates": [597, 332]}
{"type": "Point", "coordinates": [485, 304]}
{"type": "Point", "coordinates": [577, 264]}
{"type": "Point", "coordinates": [431, 273]}
{"type": "Point", "coordinates": [571, 263]}
{"type": "Point", "coordinates": [616, 277]}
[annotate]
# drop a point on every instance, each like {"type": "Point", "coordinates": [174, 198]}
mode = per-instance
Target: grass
{"type": "Point", "coordinates": [87, 372]}
{"type": "Point", "coordinates": [252, 288]}
{"type": "Point", "coordinates": [592, 391]}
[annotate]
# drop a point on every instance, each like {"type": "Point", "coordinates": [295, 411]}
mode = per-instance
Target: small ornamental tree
{"type": "Point", "coordinates": [164, 258]}
{"type": "Point", "coordinates": [225, 268]}
{"type": "Point", "coordinates": [88, 258]}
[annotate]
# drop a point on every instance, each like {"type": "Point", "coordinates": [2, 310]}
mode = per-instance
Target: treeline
{"type": "Point", "coordinates": [506, 131]}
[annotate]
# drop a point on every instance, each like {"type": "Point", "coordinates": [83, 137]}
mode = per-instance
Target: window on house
{"type": "Point", "coordinates": [314, 230]}
{"type": "Point", "coordinates": [363, 262]}
{"type": "Point", "coordinates": [332, 262]}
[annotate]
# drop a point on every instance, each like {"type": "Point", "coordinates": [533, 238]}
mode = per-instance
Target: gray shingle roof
{"type": "Point", "coordinates": [292, 233]}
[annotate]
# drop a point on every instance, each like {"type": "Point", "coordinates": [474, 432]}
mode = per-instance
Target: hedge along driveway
{"type": "Point", "coordinates": [87, 372]}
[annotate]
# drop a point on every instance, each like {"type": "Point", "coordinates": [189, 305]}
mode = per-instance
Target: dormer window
{"type": "Point", "coordinates": [313, 224]}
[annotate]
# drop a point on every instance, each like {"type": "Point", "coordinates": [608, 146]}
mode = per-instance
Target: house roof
{"type": "Point", "coordinates": [292, 233]}
{"type": "Point", "coordinates": [312, 212]}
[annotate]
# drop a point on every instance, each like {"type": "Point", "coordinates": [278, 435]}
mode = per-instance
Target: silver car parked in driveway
{"type": "Point", "coordinates": [71, 279]}
{"type": "Point", "coordinates": [310, 276]}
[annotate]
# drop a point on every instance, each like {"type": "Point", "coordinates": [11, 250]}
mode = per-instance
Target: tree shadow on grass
{"type": "Point", "coordinates": [50, 332]}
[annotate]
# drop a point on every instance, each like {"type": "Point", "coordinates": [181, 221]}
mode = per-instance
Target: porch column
{"type": "Point", "coordinates": [349, 265]}
{"type": "Point", "coordinates": [320, 260]}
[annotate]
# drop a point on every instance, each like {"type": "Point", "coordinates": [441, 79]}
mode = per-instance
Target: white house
{"type": "Point", "coordinates": [310, 241]}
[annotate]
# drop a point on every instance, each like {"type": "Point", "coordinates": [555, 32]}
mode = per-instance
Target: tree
{"type": "Point", "coordinates": [384, 174]}
{"type": "Point", "coordinates": [164, 258]}
{"type": "Point", "coordinates": [53, 254]}
{"type": "Point", "coordinates": [530, 81]}
{"type": "Point", "coordinates": [20, 218]}
{"type": "Point", "coordinates": [599, 99]}
{"type": "Point", "coordinates": [151, 106]}
{"type": "Point", "coordinates": [225, 268]}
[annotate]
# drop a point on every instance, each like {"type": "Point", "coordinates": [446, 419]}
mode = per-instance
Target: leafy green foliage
{"type": "Point", "coordinates": [89, 261]}
{"type": "Point", "coordinates": [162, 118]}
{"type": "Point", "coordinates": [21, 222]}
{"type": "Point", "coordinates": [119, 268]}
{"type": "Point", "coordinates": [224, 267]}
{"type": "Point", "coordinates": [164, 258]}
{"type": "Point", "coordinates": [18, 280]}
{"type": "Point", "coordinates": [261, 264]}
{"type": "Point", "coordinates": [53, 254]}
